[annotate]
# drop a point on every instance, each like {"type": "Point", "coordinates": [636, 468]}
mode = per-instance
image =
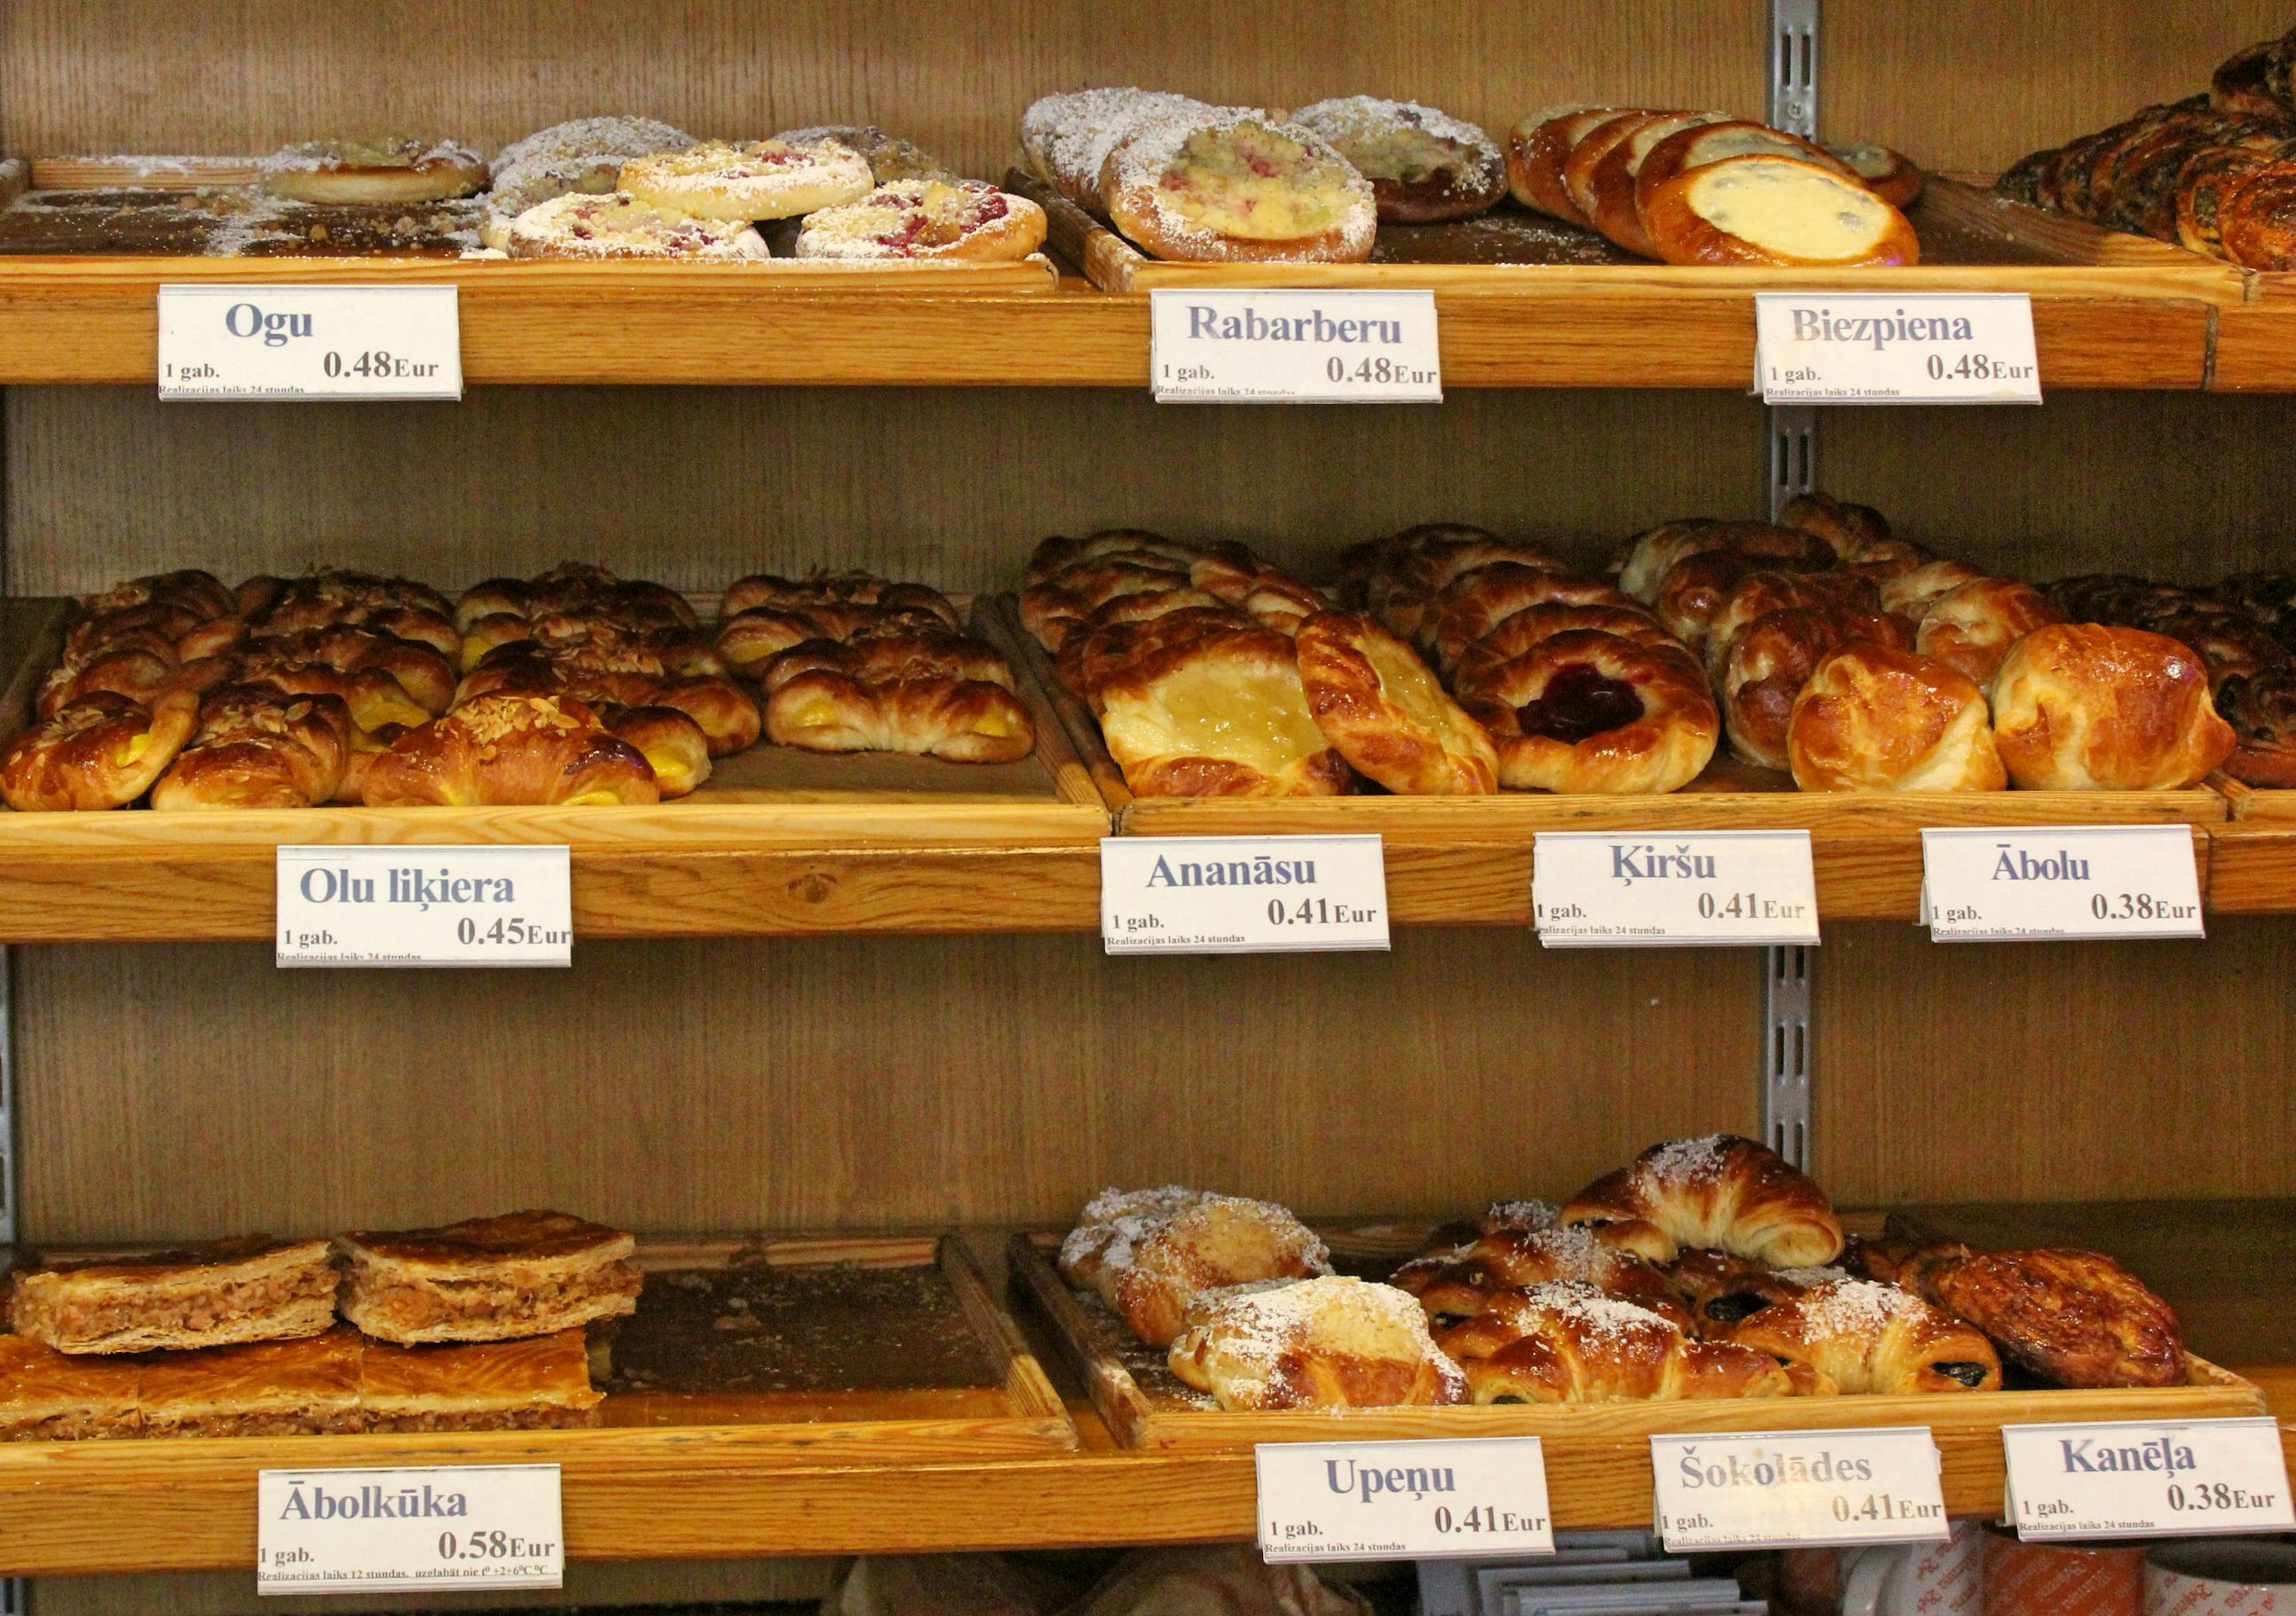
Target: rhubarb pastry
{"type": "Point", "coordinates": [1480, 662]}
{"type": "Point", "coordinates": [1231, 185]}
{"type": "Point", "coordinates": [1163, 1250]}
{"type": "Point", "coordinates": [1720, 1193]}
{"type": "Point", "coordinates": [1720, 1290]}
{"type": "Point", "coordinates": [510, 749]}
{"type": "Point", "coordinates": [1460, 1284]}
{"type": "Point", "coordinates": [1225, 715]}
{"type": "Point", "coordinates": [1590, 712]}
{"type": "Point", "coordinates": [390, 169]}
{"type": "Point", "coordinates": [487, 1279]}
{"type": "Point", "coordinates": [932, 693]}
{"type": "Point", "coordinates": [2085, 706]}
{"type": "Point", "coordinates": [256, 748]}
{"type": "Point", "coordinates": [1717, 140]}
{"type": "Point", "coordinates": [1872, 1340]}
{"type": "Point", "coordinates": [891, 159]}
{"type": "Point", "coordinates": [767, 179]}
{"type": "Point", "coordinates": [1970, 627]}
{"type": "Point", "coordinates": [249, 1289]}
{"type": "Point", "coordinates": [1610, 188]}
{"type": "Point", "coordinates": [1329, 1342]}
{"type": "Point", "coordinates": [1770, 664]}
{"type": "Point", "coordinates": [541, 1382]}
{"type": "Point", "coordinates": [1566, 1342]}
{"type": "Point", "coordinates": [620, 225]}
{"type": "Point", "coordinates": [1475, 604]}
{"type": "Point", "coordinates": [1537, 148]}
{"type": "Point", "coordinates": [1876, 718]}
{"type": "Point", "coordinates": [962, 220]}
{"type": "Point", "coordinates": [2077, 1317]}
{"type": "Point", "coordinates": [101, 751]}
{"type": "Point", "coordinates": [1781, 212]}
{"type": "Point", "coordinates": [1386, 714]}
{"type": "Point", "coordinates": [1422, 165]}
{"type": "Point", "coordinates": [583, 157]}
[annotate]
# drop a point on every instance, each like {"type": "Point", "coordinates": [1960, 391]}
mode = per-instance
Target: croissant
{"type": "Point", "coordinates": [1719, 1192]}
{"type": "Point", "coordinates": [1327, 1343]}
{"type": "Point", "coordinates": [755, 636]}
{"type": "Point", "coordinates": [1384, 712]}
{"type": "Point", "coordinates": [2077, 1317]}
{"type": "Point", "coordinates": [256, 748]}
{"type": "Point", "coordinates": [963, 721]}
{"type": "Point", "coordinates": [1459, 1284]}
{"type": "Point", "coordinates": [1720, 1290]}
{"type": "Point", "coordinates": [1873, 1339]}
{"type": "Point", "coordinates": [1153, 1274]}
{"type": "Point", "coordinates": [102, 751]}
{"type": "Point", "coordinates": [504, 750]}
{"type": "Point", "coordinates": [1570, 1343]}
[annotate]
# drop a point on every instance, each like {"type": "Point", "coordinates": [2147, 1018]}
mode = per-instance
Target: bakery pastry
{"type": "Point", "coordinates": [1539, 146]}
{"type": "Point", "coordinates": [1713, 140]}
{"type": "Point", "coordinates": [257, 748]}
{"type": "Point", "coordinates": [1610, 188]}
{"type": "Point", "coordinates": [2087, 707]}
{"type": "Point", "coordinates": [1475, 604]}
{"type": "Point", "coordinates": [621, 226]}
{"type": "Point", "coordinates": [1757, 594]}
{"type": "Point", "coordinates": [48, 1396]}
{"type": "Point", "coordinates": [200, 593]}
{"type": "Point", "coordinates": [508, 749]}
{"type": "Point", "coordinates": [1875, 718]}
{"type": "Point", "coordinates": [1479, 663]}
{"type": "Point", "coordinates": [374, 700]}
{"type": "Point", "coordinates": [1695, 588]}
{"type": "Point", "coordinates": [1066, 138]}
{"type": "Point", "coordinates": [1593, 149]}
{"type": "Point", "coordinates": [2262, 709]}
{"type": "Point", "coordinates": [2077, 1317]}
{"type": "Point", "coordinates": [334, 597]}
{"type": "Point", "coordinates": [1870, 1338]}
{"type": "Point", "coordinates": [766, 179]}
{"type": "Point", "coordinates": [962, 220]}
{"type": "Point", "coordinates": [1909, 594]}
{"type": "Point", "coordinates": [1424, 165]}
{"type": "Point", "coordinates": [1385, 713]}
{"type": "Point", "coordinates": [1225, 715]}
{"type": "Point", "coordinates": [1165, 1251]}
{"type": "Point", "coordinates": [100, 751]}
{"type": "Point", "coordinates": [1721, 1192]}
{"type": "Point", "coordinates": [1970, 627]}
{"type": "Point", "coordinates": [1586, 711]}
{"type": "Point", "coordinates": [1719, 1290]}
{"type": "Point", "coordinates": [1849, 530]}
{"type": "Point", "coordinates": [891, 159]}
{"type": "Point", "coordinates": [1233, 185]}
{"type": "Point", "coordinates": [761, 589]}
{"type": "Point", "coordinates": [1891, 176]}
{"type": "Point", "coordinates": [1410, 588]}
{"type": "Point", "coordinates": [932, 692]}
{"type": "Point", "coordinates": [249, 1289]}
{"type": "Point", "coordinates": [1459, 1284]}
{"type": "Point", "coordinates": [584, 156]}
{"type": "Point", "coordinates": [1570, 1343]}
{"type": "Point", "coordinates": [390, 169]}
{"type": "Point", "coordinates": [538, 1384]}
{"type": "Point", "coordinates": [261, 1389]}
{"type": "Point", "coordinates": [1113, 1220]}
{"type": "Point", "coordinates": [675, 747]}
{"type": "Point", "coordinates": [487, 1279]}
{"type": "Point", "coordinates": [425, 676]}
{"type": "Point", "coordinates": [1088, 660]}
{"type": "Point", "coordinates": [1332, 1343]}
{"type": "Point", "coordinates": [1769, 664]}
{"type": "Point", "coordinates": [1782, 212]}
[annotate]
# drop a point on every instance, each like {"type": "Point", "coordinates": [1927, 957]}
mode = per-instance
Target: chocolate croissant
{"type": "Point", "coordinates": [1867, 1338]}
{"type": "Point", "coordinates": [1459, 1285]}
{"type": "Point", "coordinates": [1720, 1192]}
{"type": "Point", "coordinates": [1571, 1343]}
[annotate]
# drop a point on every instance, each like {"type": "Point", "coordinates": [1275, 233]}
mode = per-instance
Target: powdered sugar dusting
{"type": "Point", "coordinates": [1598, 1318]}
{"type": "Point", "coordinates": [1687, 1160]}
{"type": "Point", "coordinates": [1346, 120]}
{"type": "Point", "coordinates": [383, 151]}
{"type": "Point", "coordinates": [1154, 145]}
{"type": "Point", "coordinates": [1811, 1278]}
{"type": "Point", "coordinates": [1854, 1308]}
{"type": "Point", "coordinates": [580, 139]}
{"type": "Point", "coordinates": [1529, 1217]}
{"type": "Point", "coordinates": [1258, 1326]}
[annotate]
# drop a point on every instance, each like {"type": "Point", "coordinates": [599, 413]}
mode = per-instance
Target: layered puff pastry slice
{"type": "Point", "coordinates": [251, 1288]}
{"type": "Point", "coordinates": [297, 1387]}
{"type": "Point", "coordinates": [1329, 1342]}
{"type": "Point", "coordinates": [487, 1279]}
{"type": "Point", "coordinates": [49, 1396]}
{"type": "Point", "coordinates": [1225, 715]}
{"type": "Point", "coordinates": [538, 1384]}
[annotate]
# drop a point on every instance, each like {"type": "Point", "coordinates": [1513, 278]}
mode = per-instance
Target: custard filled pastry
{"type": "Point", "coordinates": [1230, 184]}
{"type": "Point", "coordinates": [1720, 1193]}
{"type": "Point", "coordinates": [936, 695]}
{"type": "Point", "coordinates": [1460, 1284]}
{"type": "Point", "coordinates": [1868, 1339]}
{"type": "Point", "coordinates": [1088, 661]}
{"type": "Point", "coordinates": [1970, 627]}
{"type": "Point", "coordinates": [1163, 1250]}
{"type": "Point", "coordinates": [2077, 1317]}
{"type": "Point", "coordinates": [337, 598]}
{"type": "Point", "coordinates": [425, 676]}
{"type": "Point", "coordinates": [1225, 716]}
{"type": "Point", "coordinates": [1875, 718]}
{"type": "Point", "coordinates": [1587, 711]}
{"type": "Point", "coordinates": [1713, 140]}
{"type": "Point", "coordinates": [101, 751]}
{"type": "Point", "coordinates": [1329, 1342]}
{"type": "Point", "coordinates": [1384, 712]}
{"type": "Point", "coordinates": [1565, 1342]}
{"type": "Point", "coordinates": [258, 749]}
{"type": "Point", "coordinates": [1776, 211]}
{"type": "Point", "coordinates": [498, 751]}
{"type": "Point", "coordinates": [1422, 164]}
{"type": "Point", "coordinates": [2084, 707]}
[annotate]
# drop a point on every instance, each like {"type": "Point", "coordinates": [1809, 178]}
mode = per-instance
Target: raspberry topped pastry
{"type": "Point", "coordinates": [767, 179]}
{"type": "Point", "coordinates": [1422, 164]}
{"type": "Point", "coordinates": [585, 155]}
{"type": "Point", "coordinates": [889, 156]}
{"type": "Point", "coordinates": [621, 227]}
{"type": "Point", "coordinates": [1233, 185]}
{"type": "Point", "coordinates": [926, 218]}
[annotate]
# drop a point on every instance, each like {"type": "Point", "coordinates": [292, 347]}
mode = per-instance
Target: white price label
{"type": "Point", "coordinates": [1885, 347]}
{"type": "Point", "coordinates": [2146, 1479]}
{"type": "Point", "coordinates": [1798, 1489]}
{"type": "Point", "coordinates": [1602, 889]}
{"type": "Point", "coordinates": [1294, 347]}
{"type": "Point", "coordinates": [1403, 1500]}
{"type": "Point", "coordinates": [2060, 882]}
{"type": "Point", "coordinates": [374, 1531]}
{"type": "Point", "coordinates": [310, 342]}
{"type": "Point", "coordinates": [1242, 894]}
{"type": "Point", "coordinates": [424, 906]}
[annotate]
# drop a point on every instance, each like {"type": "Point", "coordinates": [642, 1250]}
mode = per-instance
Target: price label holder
{"type": "Point", "coordinates": [425, 906]}
{"type": "Point", "coordinates": [454, 1528]}
{"type": "Point", "coordinates": [1879, 348]}
{"type": "Point", "coordinates": [1798, 1489]}
{"type": "Point", "coordinates": [2060, 882]}
{"type": "Point", "coordinates": [1437, 1500]}
{"type": "Point", "coordinates": [1242, 894]}
{"type": "Point", "coordinates": [293, 343]}
{"type": "Point", "coordinates": [2145, 1479]}
{"type": "Point", "coordinates": [1614, 889]}
{"type": "Point", "coordinates": [1254, 347]}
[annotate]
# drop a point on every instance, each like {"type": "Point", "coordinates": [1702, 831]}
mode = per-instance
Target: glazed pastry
{"type": "Point", "coordinates": [1759, 593]}
{"type": "Point", "coordinates": [863, 589]}
{"type": "Point", "coordinates": [304, 1387]}
{"type": "Point", "coordinates": [1721, 1289]}
{"type": "Point", "coordinates": [620, 225]}
{"type": "Point", "coordinates": [1410, 587]}
{"type": "Point", "coordinates": [1161, 1255]}
{"type": "Point", "coordinates": [1875, 718]}
{"type": "Point", "coordinates": [1113, 1220]}
{"type": "Point", "coordinates": [1475, 604]}
{"type": "Point", "coordinates": [1891, 176]}
{"type": "Point", "coordinates": [918, 218]}
{"type": "Point", "coordinates": [1539, 148]}
{"type": "Point", "coordinates": [1315, 1344]}
{"type": "Point", "coordinates": [487, 1279]}
{"type": "Point", "coordinates": [375, 701]}
{"type": "Point", "coordinates": [673, 744]}
{"type": "Point", "coordinates": [934, 694]}
{"type": "Point", "coordinates": [1383, 712]}
{"type": "Point", "coordinates": [392, 169]}
{"type": "Point", "coordinates": [1422, 165]}
{"type": "Point", "coordinates": [1696, 589]}
{"type": "Point", "coordinates": [577, 590]}
{"type": "Point", "coordinates": [1779, 212]}
{"type": "Point", "coordinates": [255, 748]}
{"type": "Point", "coordinates": [48, 1396]}
{"type": "Point", "coordinates": [1910, 594]}
{"type": "Point", "coordinates": [1232, 185]}
{"type": "Point", "coordinates": [508, 749]}
{"type": "Point", "coordinates": [1848, 528]}
{"type": "Point", "coordinates": [1610, 184]}
{"type": "Point", "coordinates": [336, 598]}
{"type": "Point", "coordinates": [1586, 711]}
{"type": "Point", "coordinates": [2077, 1317]}
{"type": "Point", "coordinates": [251, 1288]}
{"type": "Point", "coordinates": [200, 593]}
{"type": "Point", "coordinates": [767, 179]}
{"type": "Point", "coordinates": [1717, 140]}
{"type": "Point", "coordinates": [1593, 149]}
{"type": "Point", "coordinates": [1721, 1192]}
{"type": "Point", "coordinates": [1970, 627]}
{"type": "Point", "coordinates": [1870, 1338]}
{"type": "Point", "coordinates": [101, 751]}
{"type": "Point", "coordinates": [1571, 1343]}
{"type": "Point", "coordinates": [584, 156]}
{"type": "Point", "coordinates": [1768, 665]}
{"type": "Point", "coordinates": [1480, 662]}
{"type": "Point", "coordinates": [540, 1383]}
{"type": "Point", "coordinates": [1088, 661]}
{"type": "Point", "coordinates": [1224, 717]}
{"type": "Point", "coordinates": [1460, 1284]}
{"type": "Point", "coordinates": [2085, 706]}
{"type": "Point", "coordinates": [423, 676]}
{"type": "Point", "coordinates": [2262, 709]}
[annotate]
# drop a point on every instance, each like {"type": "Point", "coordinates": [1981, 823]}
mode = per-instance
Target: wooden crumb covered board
{"type": "Point", "coordinates": [779, 840]}
{"type": "Point", "coordinates": [840, 1350]}
{"type": "Point", "coordinates": [1146, 1407]}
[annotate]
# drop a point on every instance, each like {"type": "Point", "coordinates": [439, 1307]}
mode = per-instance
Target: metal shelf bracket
{"type": "Point", "coordinates": [1793, 67]}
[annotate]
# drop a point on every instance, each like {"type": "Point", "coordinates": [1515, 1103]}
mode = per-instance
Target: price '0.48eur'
{"type": "Point", "coordinates": [1978, 367]}
{"type": "Point", "coordinates": [377, 365]}
{"type": "Point", "coordinates": [1378, 372]}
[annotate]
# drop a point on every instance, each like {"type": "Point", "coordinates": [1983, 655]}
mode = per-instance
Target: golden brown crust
{"type": "Point", "coordinates": [101, 751]}
{"type": "Point", "coordinates": [1224, 716]}
{"type": "Point", "coordinates": [1610, 184]}
{"type": "Point", "coordinates": [2077, 1317]}
{"type": "Point", "coordinates": [1970, 627]}
{"type": "Point", "coordinates": [1759, 593]}
{"type": "Point", "coordinates": [1719, 1290]}
{"type": "Point", "coordinates": [1720, 1192]}
{"type": "Point", "coordinates": [1327, 1343]}
{"type": "Point", "coordinates": [1537, 151]}
{"type": "Point", "coordinates": [1587, 711]}
{"type": "Point", "coordinates": [1695, 145]}
{"type": "Point", "coordinates": [248, 1288]}
{"type": "Point", "coordinates": [1569, 1343]}
{"type": "Point", "coordinates": [478, 1247]}
{"type": "Point", "coordinates": [1872, 1339]}
{"type": "Point", "coordinates": [1170, 181]}
{"type": "Point", "coordinates": [1848, 529]}
{"type": "Point", "coordinates": [257, 748]}
{"type": "Point", "coordinates": [45, 1395]}
{"type": "Point", "coordinates": [508, 749]}
{"type": "Point", "coordinates": [897, 694]}
{"type": "Point", "coordinates": [1460, 1283]}
{"type": "Point", "coordinates": [2081, 706]}
{"type": "Point", "coordinates": [265, 1388]}
{"type": "Point", "coordinates": [1876, 718]}
{"type": "Point", "coordinates": [521, 1274]}
{"type": "Point", "coordinates": [1384, 712]}
{"type": "Point", "coordinates": [1160, 1260]}
{"type": "Point", "coordinates": [1688, 222]}
{"type": "Point", "coordinates": [1769, 664]}
{"type": "Point", "coordinates": [1479, 663]}
{"type": "Point", "coordinates": [1475, 604]}
{"type": "Point", "coordinates": [1594, 146]}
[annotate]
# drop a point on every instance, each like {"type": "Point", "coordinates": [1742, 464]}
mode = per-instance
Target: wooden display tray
{"type": "Point", "coordinates": [2252, 858]}
{"type": "Point", "coordinates": [778, 843]}
{"type": "Point", "coordinates": [1145, 1406]}
{"type": "Point", "coordinates": [1466, 860]}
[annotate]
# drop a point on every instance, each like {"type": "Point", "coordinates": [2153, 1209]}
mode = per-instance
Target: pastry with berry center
{"type": "Point", "coordinates": [927, 218]}
{"type": "Point", "coordinates": [1232, 185]}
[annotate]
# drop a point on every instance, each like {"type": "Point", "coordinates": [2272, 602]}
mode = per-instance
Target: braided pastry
{"type": "Point", "coordinates": [256, 748]}
{"type": "Point", "coordinates": [2082, 706]}
{"type": "Point", "coordinates": [497, 751]}
{"type": "Point", "coordinates": [101, 751]}
{"type": "Point", "coordinates": [1875, 718]}
{"type": "Point", "coordinates": [1570, 1343]}
{"type": "Point", "coordinates": [1870, 1338]}
{"type": "Point", "coordinates": [1224, 716]}
{"type": "Point", "coordinates": [1459, 1284]}
{"type": "Point", "coordinates": [1385, 713]}
{"type": "Point", "coordinates": [1588, 711]}
{"type": "Point", "coordinates": [1160, 1249]}
{"type": "Point", "coordinates": [1329, 1342]}
{"type": "Point", "coordinates": [1476, 603]}
{"type": "Point", "coordinates": [1720, 1192]}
